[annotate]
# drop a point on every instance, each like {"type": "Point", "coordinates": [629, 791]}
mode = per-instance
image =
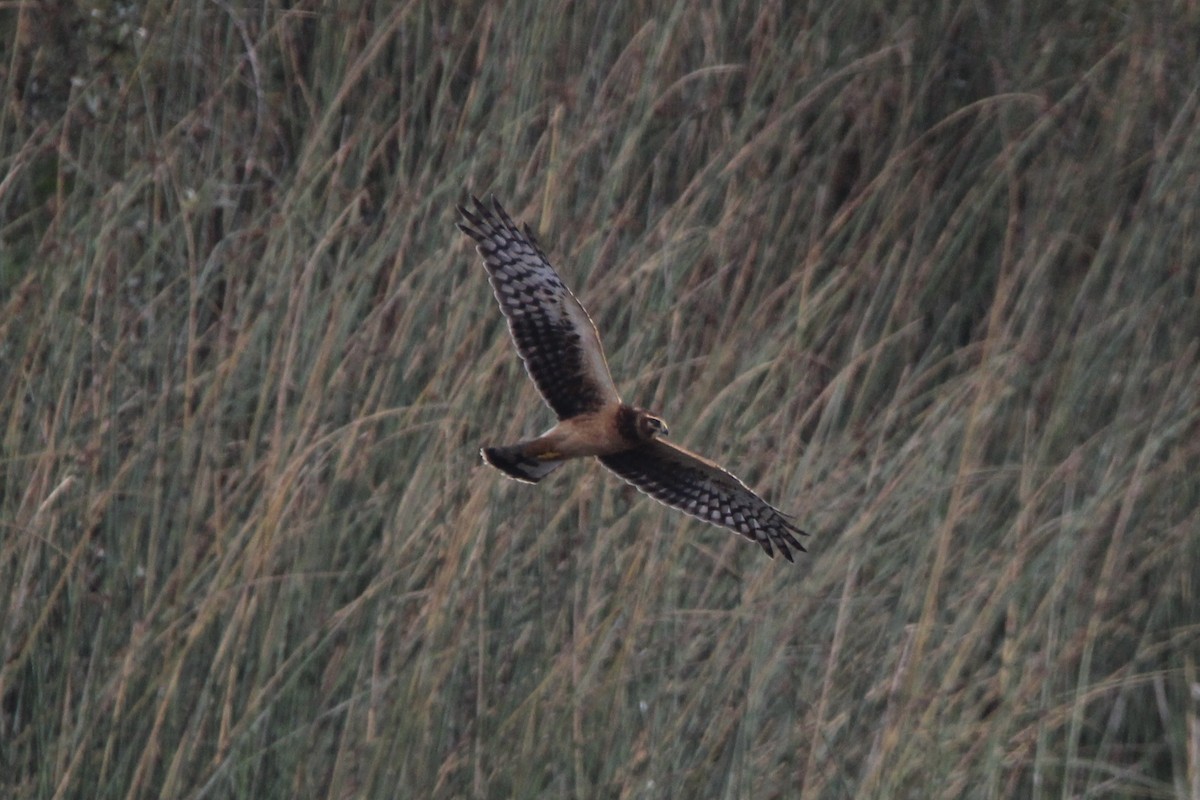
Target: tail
{"type": "Point", "coordinates": [513, 462]}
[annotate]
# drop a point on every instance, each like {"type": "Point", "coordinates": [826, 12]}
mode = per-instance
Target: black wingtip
{"type": "Point", "coordinates": [479, 226]}
{"type": "Point", "coordinates": [475, 231]}
{"type": "Point", "coordinates": [784, 540]}
{"type": "Point", "coordinates": [787, 518]}
{"type": "Point", "coordinates": [794, 542]}
{"type": "Point", "coordinates": [483, 216]}
{"type": "Point", "coordinates": [533, 241]}
{"type": "Point", "coordinates": [503, 216]}
{"type": "Point", "coordinates": [765, 544]}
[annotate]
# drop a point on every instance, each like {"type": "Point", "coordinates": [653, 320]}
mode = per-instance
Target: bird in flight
{"type": "Point", "coordinates": [558, 342]}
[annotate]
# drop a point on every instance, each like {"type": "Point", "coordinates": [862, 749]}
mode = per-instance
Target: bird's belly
{"type": "Point", "coordinates": [586, 435]}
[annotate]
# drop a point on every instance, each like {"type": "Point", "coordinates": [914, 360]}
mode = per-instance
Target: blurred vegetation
{"type": "Point", "coordinates": [926, 275]}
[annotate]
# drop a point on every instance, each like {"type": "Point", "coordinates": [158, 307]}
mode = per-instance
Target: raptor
{"type": "Point", "coordinates": [558, 342]}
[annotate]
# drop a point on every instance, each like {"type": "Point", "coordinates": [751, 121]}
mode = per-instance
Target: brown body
{"type": "Point", "coordinates": [604, 432]}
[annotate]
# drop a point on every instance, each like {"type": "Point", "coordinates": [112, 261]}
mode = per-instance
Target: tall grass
{"type": "Point", "coordinates": [928, 277]}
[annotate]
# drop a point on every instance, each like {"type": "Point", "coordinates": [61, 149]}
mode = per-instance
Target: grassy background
{"type": "Point", "coordinates": [926, 275]}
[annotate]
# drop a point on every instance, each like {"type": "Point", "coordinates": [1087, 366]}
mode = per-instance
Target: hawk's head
{"type": "Point", "coordinates": [649, 426]}
{"type": "Point", "coordinates": [638, 425]}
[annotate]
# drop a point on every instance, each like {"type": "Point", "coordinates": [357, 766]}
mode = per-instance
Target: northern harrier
{"type": "Point", "coordinates": [561, 350]}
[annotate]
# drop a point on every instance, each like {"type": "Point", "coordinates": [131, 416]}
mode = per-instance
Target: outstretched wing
{"type": "Point", "coordinates": [554, 335]}
{"type": "Point", "coordinates": [696, 486]}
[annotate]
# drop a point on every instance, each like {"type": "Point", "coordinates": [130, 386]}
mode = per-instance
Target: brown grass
{"type": "Point", "coordinates": [928, 279]}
